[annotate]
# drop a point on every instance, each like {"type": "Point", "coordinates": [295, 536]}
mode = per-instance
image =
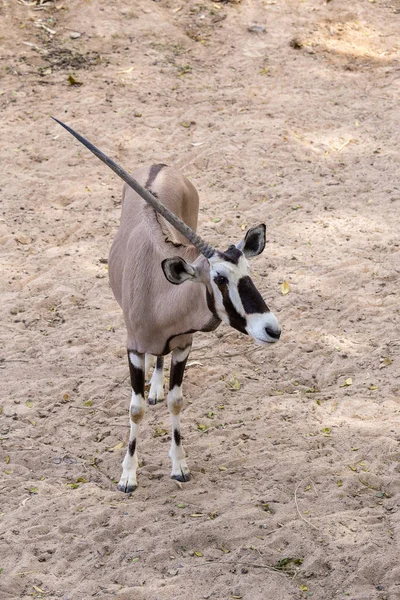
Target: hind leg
{"type": "Point", "coordinates": [148, 365]}
{"type": "Point", "coordinates": [156, 393]}
{"type": "Point", "coordinates": [180, 470]}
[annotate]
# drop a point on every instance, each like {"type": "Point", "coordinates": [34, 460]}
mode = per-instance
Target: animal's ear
{"type": "Point", "coordinates": [253, 242]}
{"type": "Point", "coordinates": [177, 270]}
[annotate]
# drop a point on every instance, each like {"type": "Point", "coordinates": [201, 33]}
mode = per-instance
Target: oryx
{"type": "Point", "coordinates": [149, 260]}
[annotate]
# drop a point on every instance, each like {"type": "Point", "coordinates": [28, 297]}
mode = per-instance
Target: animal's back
{"type": "Point", "coordinates": [144, 239]}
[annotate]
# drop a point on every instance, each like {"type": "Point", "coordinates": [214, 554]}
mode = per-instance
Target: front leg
{"type": "Point", "coordinates": [128, 482]}
{"type": "Point", "coordinates": [180, 470]}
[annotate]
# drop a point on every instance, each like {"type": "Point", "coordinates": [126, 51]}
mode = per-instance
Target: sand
{"type": "Point", "coordinates": [295, 490]}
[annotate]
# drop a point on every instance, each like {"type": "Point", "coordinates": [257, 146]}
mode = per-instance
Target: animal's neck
{"type": "Point", "coordinates": [190, 310]}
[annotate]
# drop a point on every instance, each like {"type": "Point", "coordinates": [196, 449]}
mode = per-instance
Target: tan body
{"type": "Point", "coordinates": [166, 297]}
{"type": "Point", "coordinates": [157, 312]}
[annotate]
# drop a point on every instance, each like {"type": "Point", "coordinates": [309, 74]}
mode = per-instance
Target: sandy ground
{"type": "Point", "coordinates": [295, 491]}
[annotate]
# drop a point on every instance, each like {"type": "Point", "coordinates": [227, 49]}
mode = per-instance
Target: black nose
{"type": "Point", "coordinates": [273, 333]}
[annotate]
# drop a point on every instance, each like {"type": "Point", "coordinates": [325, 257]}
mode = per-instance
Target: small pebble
{"type": "Point", "coordinates": [256, 28]}
{"type": "Point", "coordinates": [74, 35]}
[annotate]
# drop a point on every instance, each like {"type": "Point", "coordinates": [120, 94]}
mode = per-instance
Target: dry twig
{"type": "Point", "coordinates": [298, 510]}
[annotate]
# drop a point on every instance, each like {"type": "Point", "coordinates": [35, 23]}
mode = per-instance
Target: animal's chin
{"type": "Point", "coordinates": [264, 342]}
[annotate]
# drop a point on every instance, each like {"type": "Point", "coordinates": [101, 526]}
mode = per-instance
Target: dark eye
{"type": "Point", "coordinates": [220, 280]}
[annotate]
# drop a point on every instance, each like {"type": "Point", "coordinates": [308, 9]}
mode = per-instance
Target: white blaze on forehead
{"type": "Point", "coordinates": [231, 271]}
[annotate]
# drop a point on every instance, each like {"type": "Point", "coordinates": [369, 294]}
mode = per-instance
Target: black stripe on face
{"type": "Point", "coordinates": [231, 255]}
{"type": "Point", "coordinates": [137, 376]}
{"type": "Point", "coordinates": [235, 319]}
{"type": "Point", "coordinates": [132, 447]}
{"type": "Point", "coordinates": [177, 437]}
{"type": "Point", "coordinates": [154, 171]}
{"type": "Point", "coordinates": [251, 298]}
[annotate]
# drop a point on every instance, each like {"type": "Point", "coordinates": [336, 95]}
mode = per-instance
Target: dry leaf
{"type": "Point", "coordinates": [233, 384]}
{"type": "Point", "coordinates": [285, 288]}
{"type": "Point", "coordinates": [386, 362]}
{"type": "Point", "coordinates": [117, 447]}
{"type": "Point", "coordinates": [159, 432]}
{"type": "Point", "coordinates": [23, 239]}
{"type": "Point", "coordinates": [202, 427]}
{"type": "Point", "coordinates": [198, 553]}
{"type": "Point", "coordinates": [348, 382]}
{"type": "Point", "coordinates": [194, 363]}
{"type": "Point", "coordinates": [73, 81]}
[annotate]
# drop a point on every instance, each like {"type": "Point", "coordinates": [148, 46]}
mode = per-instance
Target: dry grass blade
{"type": "Point", "coordinates": [298, 510]}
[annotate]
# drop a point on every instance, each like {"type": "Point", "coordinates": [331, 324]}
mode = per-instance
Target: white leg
{"type": "Point", "coordinates": [156, 393]}
{"type": "Point", "coordinates": [149, 364]}
{"type": "Point", "coordinates": [128, 482]}
{"type": "Point", "coordinates": [180, 470]}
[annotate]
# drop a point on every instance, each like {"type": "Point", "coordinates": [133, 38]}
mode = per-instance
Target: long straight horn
{"type": "Point", "coordinates": [193, 238]}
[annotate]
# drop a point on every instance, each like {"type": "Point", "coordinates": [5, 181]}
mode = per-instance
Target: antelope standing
{"type": "Point", "coordinates": [148, 261]}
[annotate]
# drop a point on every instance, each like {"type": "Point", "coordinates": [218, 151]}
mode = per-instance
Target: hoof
{"type": "Point", "coordinates": [153, 401]}
{"type": "Point", "coordinates": [183, 477]}
{"type": "Point", "coordinates": [127, 489]}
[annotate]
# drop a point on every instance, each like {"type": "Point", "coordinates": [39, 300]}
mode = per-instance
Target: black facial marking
{"type": "Point", "coordinates": [231, 255]}
{"type": "Point", "coordinates": [211, 303]}
{"type": "Point", "coordinates": [154, 171]}
{"type": "Point", "coordinates": [176, 376]}
{"type": "Point", "coordinates": [132, 447]}
{"type": "Point", "coordinates": [137, 376]}
{"type": "Point", "coordinates": [235, 319]}
{"type": "Point", "coordinates": [160, 363]}
{"type": "Point", "coordinates": [177, 437]}
{"type": "Point", "coordinates": [220, 280]}
{"type": "Point", "coordinates": [250, 296]}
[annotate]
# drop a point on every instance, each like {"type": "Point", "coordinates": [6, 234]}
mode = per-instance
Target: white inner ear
{"type": "Point", "coordinates": [190, 270]}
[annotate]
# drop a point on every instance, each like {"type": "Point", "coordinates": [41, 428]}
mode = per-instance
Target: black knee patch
{"type": "Point", "coordinates": [177, 437]}
{"type": "Point", "coordinates": [132, 447]}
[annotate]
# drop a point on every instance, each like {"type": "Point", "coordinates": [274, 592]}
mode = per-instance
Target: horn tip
{"type": "Point", "coordinates": [58, 121]}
